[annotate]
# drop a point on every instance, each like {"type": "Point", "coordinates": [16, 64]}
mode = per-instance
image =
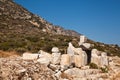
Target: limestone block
{"type": "Point", "coordinates": [70, 49]}
{"type": "Point", "coordinates": [78, 51]}
{"type": "Point", "coordinates": [82, 39]}
{"type": "Point", "coordinates": [86, 45]}
{"type": "Point", "coordinates": [55, 50]}
{"type": "Point", "coordinates": [94, 51]}
{"type": "Point", "coordinates": [56, 58]}
{"type": "Point", "coordinates": [43, 60]}
{"type": "Point", "coordinates": [43, 54]}
{"type": "Point", "coordinates": [75, 72]}
{"type": "Point", "coordinates": [84, 58]}
{"type": "Point", "coordinates": [30, 56]}
{"type": "Point", "coordinates": [104, 59]}
{"type": "Point", "coordinates": [65, 60]}
{"type": "Point", "coordinates": [54, 67]}
{"type": "Point", "coordinates": [78, 60]}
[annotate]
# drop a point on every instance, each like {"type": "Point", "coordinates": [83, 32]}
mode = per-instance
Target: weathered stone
{"type": "Point", "coordinates": [30, 56]}
{"type": "Point", "coordinates": [44, 57]}
{"type": "Point", "coordinates": [70, 49]}
{"type": "Point", "coordinates": [78, 51]}
{"type": "Point", "coordinates": [56, 58]}
{"type": "Point", "coordinates": [95, 58]}
{"type": "Point", "coordinates": [85, 67]}
{"type": "Point", "coordinates": [104, 59]}
{"type": "Point", "coordinates": [58, 74]}
{"type": "Point", "coordinates": [84, 58]}
{"type": "Point", "coordinates": [65, 60]}
{"type": "Point", "coordinates": [86, 45]}
{"type": "Point", "coordinates": [75, 72]}
{"type": "Point", "coordinates": [43, 54]}
{"type": "Point", "coordinates": [94, 51]}
{"type": "Point", "coordinates": [78, 60]}
{"type": "Point", "coordinates": [55, 50]}
{"type": "Point", "coordinates": [82, 39]}
{"type": "Point", "coordinates": [54, 67]}
{"type": "Point", "coordinates": [99, 58]}
{"type": "Point", "coordinates": [20, 71]}
{"type": "Point", "coordinates": [43, 60]}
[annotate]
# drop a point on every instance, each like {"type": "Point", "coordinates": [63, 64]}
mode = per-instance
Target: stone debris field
{"type": "Point", "coordinates": [78, 64]}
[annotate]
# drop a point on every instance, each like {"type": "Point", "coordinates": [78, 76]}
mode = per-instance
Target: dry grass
{"type": "Point", "coordinates": [7, 54]}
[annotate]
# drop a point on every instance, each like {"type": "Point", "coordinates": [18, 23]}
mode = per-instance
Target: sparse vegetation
{"type": "Point", "coordinates": [93, 66]}
{"type": "Point", "coordinates": [104, 69]}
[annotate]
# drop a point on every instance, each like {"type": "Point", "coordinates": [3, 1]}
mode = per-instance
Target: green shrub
{"type": "Point", "coordinates": [93, 66]}
{"type": "Point", "coordinates": [104, 69]}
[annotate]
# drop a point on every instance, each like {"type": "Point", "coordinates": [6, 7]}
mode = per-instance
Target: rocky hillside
{"type": "Point", "coordinates": [21, 31]}
{"type": "Point", "coordinates": [19, 20]}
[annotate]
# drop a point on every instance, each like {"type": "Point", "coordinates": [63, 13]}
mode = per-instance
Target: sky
{"type": "Point", "coordinates": [99, 20]}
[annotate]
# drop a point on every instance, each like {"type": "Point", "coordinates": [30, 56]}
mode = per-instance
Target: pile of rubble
{"type": "Point", "coordinates": [15, 68]}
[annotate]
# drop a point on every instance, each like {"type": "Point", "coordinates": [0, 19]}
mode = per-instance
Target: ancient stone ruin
{"type": "Point", "coordinates": [76, 60]}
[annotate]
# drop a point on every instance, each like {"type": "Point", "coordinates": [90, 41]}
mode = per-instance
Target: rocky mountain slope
{"type": "Point", "coordinates": [21, 31]}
